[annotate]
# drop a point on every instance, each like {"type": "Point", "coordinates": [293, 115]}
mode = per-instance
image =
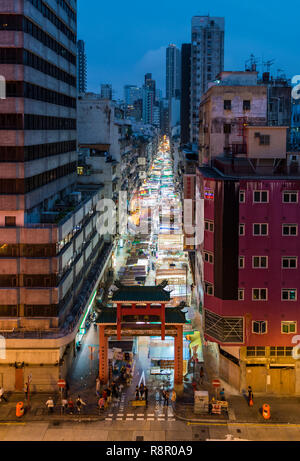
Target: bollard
{"type": "Point", "coordinates": [266, 411]}
{"type": "Point", "coordinates": [20, 409]}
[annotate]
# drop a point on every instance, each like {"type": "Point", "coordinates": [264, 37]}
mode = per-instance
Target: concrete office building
{"type": "Point", "coordinates": [81, 67]}
{"type": "Point", "coordinates": [51, 255]}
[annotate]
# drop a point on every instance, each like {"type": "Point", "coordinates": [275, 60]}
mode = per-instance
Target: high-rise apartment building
{"type": "Point", "coordinates": [51, 255]}
{"type": "Point", "coordinates": [173, 71]}
{"type": "Point", "coordinates": [149, 98]}
{"type": "Point", "coordinates": [81, 67]}
{"type": "Point", "coordinates": [185, 93]}
{"type": "Point", "coordinates": [106, 91]}
{"type": "Point", "coordinates": [131, 94]}
{"type": "Point", "coordinates": [207, 61]}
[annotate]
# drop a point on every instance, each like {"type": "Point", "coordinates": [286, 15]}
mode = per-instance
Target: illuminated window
{"type": "Point", "coordinates": [289, 294]}
{"type": "Point", "coordinates": [288, 327]}
{"type": "Point", "coordinates": [259, 294]}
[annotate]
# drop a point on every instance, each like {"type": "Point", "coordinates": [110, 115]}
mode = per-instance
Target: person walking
{"type": "Point", "coordinates": [50, 405]}
{"type": "Point", "coordinates": [137, 393]}
{"type": "Point", "coordinates": [146, 394]}
{"type": "Point", "coordinates": [98, 385]}
{"type": "Point", "coordinates": [201, 375]}
{"type": "Point", "coordinates": [101, 404]}
{"type": "Point", "coordinates": [71, 406]}
{"type": "Point", "coordinates": [108, 391]}
{"type": "Point", "coordinates": [79, 403]}
{"type": "Point", "coordinates": [250, 396]}
{"type": "Point", "coordinates": [142, 390]}
{"type": "Point", "coordinates": [2, 396]}
{"type": "Point", "coordinates": [166, 397]}
{"type": "Point", "coordinates": [64, 406]}
{"type": "Point", "coordinates": [26, 388]}
{"type": "Point", "coordinates": [222, 395]}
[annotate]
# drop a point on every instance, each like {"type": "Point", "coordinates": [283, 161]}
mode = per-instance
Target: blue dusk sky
{"type": "Point", "coordinates": [126, 39]}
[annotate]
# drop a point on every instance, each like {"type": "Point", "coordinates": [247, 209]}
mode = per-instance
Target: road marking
{"type": "Point", "coordinates": [119, 419]}
{"type": "Point", "coordinates": [140, 419]}
{"type": "Point", "coordinates": [140, 414]}
{"type": "Point", "coordinates": [150, 419]}
{"type": "Point", "coordinates": [108, 419]}
{"type": "Point", "coordinates": [151, 415]}
{"type": "Point", "coordinates": [120, 414]}
{"type": "Point", "coordinates": [131, 414]}
{"type": "Point", "coordinates": [129, 419]}
{"type": "Point", "coordinates": [12, 424]}
{"type": "Point", "coordinates": [111, 415]}
{"type": "Point", "coordinates": [161, 419]}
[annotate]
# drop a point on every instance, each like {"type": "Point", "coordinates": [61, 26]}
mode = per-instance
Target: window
{"type": "Point", "coordinates": [227, 104]}
{"type": "Point", "coordinates": [208, 257]}
{"type": "Point", "coordinates": [288, 327]}
{"type": "Point", "coordinates": [290, 197]}
{"type": "Point", "coordinates": [246, 105]}
{"type": "Point", "coordinates": [264, 140]}
{"type": "Point", "coordinates": [259, 327]}
{"type": "Point", "coordinates": [10, 221]}
{"type": "Point", "coordinates": [209, 226]}
{"type": "Point", "coordinates": [281, 351]}
{"type": "Point", "coordinates": [289, 294]}
{"type": "Point", "coordinates": [242, 229]}
{"type": "Point", "coordinates": [260, 262]}
{"type": "Point", "coordinates": [227, 128]}
{"type": "Point", "coordinates": [260, 229]}
{"type": "Point", "coordinates": [241, 294]}
{"type": "Point", "coordinates": [242, 196]}
{"type": "Point", "coordinates": [209, 289]}
{"type": "Point", "coordinates": [242, 262]}
{"type": "Point", "coordinates": [261, 196]}
{"type": "Point", "coordinates": [253, 351]}
{"type": "Point", "coordinates": [259, 294]}
{"type": "Point", "coordinates": [290, 229]}
{"type": "Point", "coordinates": [289, 262]}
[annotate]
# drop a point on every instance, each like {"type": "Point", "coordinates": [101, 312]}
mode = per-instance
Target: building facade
{"type": "Point", "coordinates": [50, 249]}
{"type": "Point", "coordinates": [106, 91]}
{"type": "Point", "coordinates": [207, 61]}
{"type": "Point", "coordinates": [185, 93]}
{"type": "Point", "coordinates": [173, 71]}
{"type": "Point", "coordinates": [81, 67]}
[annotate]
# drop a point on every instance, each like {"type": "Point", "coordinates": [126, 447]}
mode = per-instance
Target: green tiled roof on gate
{"type": "Point", "coordinates": [141, 294]}
{"type": "Point", "coordinates": [173, 316]}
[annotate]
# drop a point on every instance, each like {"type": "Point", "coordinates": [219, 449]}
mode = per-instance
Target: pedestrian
{"type": "Point", "coordinates": [71, 406]}
{"type": "Point", "coordinates": [222, 395]}
{"type": "Point", "coordinates": [194, 384]}
{"type": "Point", "coordinates": [142, 390]}
{"type": "Point", "coordinates": [104, 394]}
{"type": "Point", "coordinates": [121, 387]}
{"type": "Point", "coordinates": [108, 391]}
{"type": "Point", "coordinates": [101, 403]}
{"type": "Point", "coordinates": [79, 403]}
{"type": "Point", "coordinates": [137, 393]}
{"type": "Point", "coordinates": [174, 396]}
{"type": "Point", "coordinates": [250, 396]}
{"type": "Point", "coordinates": [98, 385]}
{"type": "Point", "coordinates": [146, 394]}
{"type": "Point", "coordinates": [166, 397]}
{"type": "Point", "coordinates": [64, 406]}
{"type": "Point", "coordinates": [50, 405]}
{"type": "Point", "coordinates": [2, 396]}
{"type": "Point", "coordinates": [26, 388]}
{"type": "Point", "coordinates": [201, 375]}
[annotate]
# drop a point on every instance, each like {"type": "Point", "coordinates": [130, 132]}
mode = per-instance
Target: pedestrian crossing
{"type": "Point", "coordinates": [167, 417]}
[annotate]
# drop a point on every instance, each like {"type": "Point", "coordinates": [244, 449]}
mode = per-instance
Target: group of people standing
{"type": "Point", "coordinates": [68, 406]}
{"type": "Point", "coordinates": [105, 397]}
{"type": "Point", "coordinates": [141, 393]}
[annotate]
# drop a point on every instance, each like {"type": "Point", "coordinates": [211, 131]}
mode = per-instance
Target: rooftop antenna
{"type": "Point", "coordinates": [268, 64]}
{"type": "Point", "coordinates": [251, 64]}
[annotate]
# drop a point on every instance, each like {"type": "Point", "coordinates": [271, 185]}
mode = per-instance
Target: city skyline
{"type": "Point", "coordinates": [149, 35]}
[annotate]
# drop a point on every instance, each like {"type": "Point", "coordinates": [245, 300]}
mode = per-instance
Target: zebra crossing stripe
{"type": "Point", "coordinates": [108, 419]}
